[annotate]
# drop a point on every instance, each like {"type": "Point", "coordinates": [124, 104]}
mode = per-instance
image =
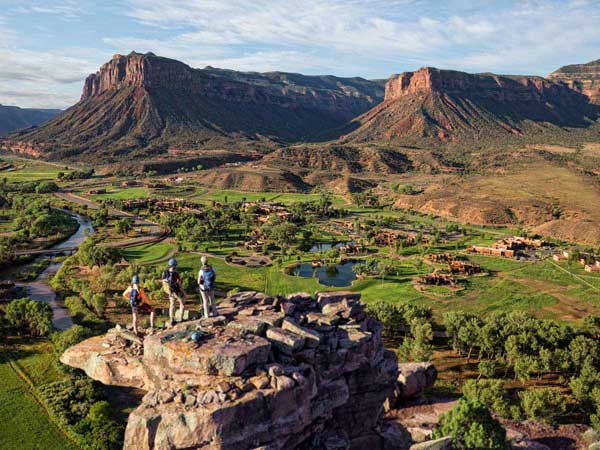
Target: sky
{"type": "Point", "coordinates": [48, 47]}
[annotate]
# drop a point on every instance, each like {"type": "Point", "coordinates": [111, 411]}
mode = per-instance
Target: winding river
{"type": "Point", "coordinates": [40, 288]}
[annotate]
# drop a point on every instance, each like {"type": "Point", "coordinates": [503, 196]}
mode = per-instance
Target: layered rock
{"type": "Point", "coordinates": [447, 106]}
{"type": "Point", "coordinates": [583, 78]}
{"type": "Point", "coordinates": [143, 101]}
{"type": "Point", "coordinates": [268, 373]}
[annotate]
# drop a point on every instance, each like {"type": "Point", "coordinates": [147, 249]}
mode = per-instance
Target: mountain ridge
{"type": "Point", "coordinates": [143, 101]}
{"type": "Point", "coordinates": [14, 117]}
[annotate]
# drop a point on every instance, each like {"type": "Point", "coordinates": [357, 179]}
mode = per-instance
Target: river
{"type": "Point", "coordinates": [40, 288]}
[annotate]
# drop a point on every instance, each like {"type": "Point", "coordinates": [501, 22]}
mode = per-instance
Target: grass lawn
{"type": "Point", "coordinates": [29, 170]}
{"type": "Point", "coordinates": [25, 425]}
{"type": "Point", "coordinates": [124, 194]}
{"type": "Point", "coordinates": [147, 253]}
{"type": "Point", "coordinates": [282, 197]}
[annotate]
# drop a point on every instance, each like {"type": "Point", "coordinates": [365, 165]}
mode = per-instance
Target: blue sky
{"type": "Point", "coordinates": [47, 48]}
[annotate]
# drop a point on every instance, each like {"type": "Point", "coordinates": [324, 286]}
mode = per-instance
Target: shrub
{"type": "Point", "coordinates": [46, 187]}
{"type": "Point", "coordinates": [472, 427]}
{"type": "Point", "coordinates": [544, 404]}
{"type": "Point", "coordinates": [487, 369]}
{"type": "Point", "coordinates": [28, 316]}
{"type": "Point", "coordinates": [489, 392]}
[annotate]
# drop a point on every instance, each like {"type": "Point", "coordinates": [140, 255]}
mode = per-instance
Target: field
{"type": "Point", "coordinates": [25, 425]}
{"type": "Point", "coordinates": [123, 194]}
{"type": "Point", "coordinates": [227, 196]}
{"type": "Point", "coordinates": [28, 170]}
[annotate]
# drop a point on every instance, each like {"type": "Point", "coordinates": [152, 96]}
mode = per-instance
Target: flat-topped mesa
{"type": "Point", "coordinates": [584, 78]}
{"type": "Point", "coordinates": [501, 88]}
{"type": "Point", "coordinates": [136, 69]}
{"type": "Point", "coordinates": [275, 373]}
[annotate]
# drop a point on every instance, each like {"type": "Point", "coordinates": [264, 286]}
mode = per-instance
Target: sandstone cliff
{"type": "Point", "coordinates": [269, 373]}
{"type": "Point", "coordinates": [583, 78]}
{"type": "Point", "coordinates": [432, 105]}
{"type": "Point", "coordinates": [150, 103]}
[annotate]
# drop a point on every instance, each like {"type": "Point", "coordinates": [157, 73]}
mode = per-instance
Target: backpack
{"type": "Point", "coordinates": [134, 297]}
{"type": "Point", "coordinates": [172, 279]}
{"type": "Point", "coordinates": [208, 278]}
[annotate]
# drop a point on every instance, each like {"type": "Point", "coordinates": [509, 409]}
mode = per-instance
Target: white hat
{"type": "Point", "coordinates": [204, 260]}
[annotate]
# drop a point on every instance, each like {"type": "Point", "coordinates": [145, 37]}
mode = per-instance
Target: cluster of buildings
{"type": "Point", "coordinates": [170, 205]}
{"type": "Point", "coordinates": [265, 210]}
{"type": "Point", "coordinates": [589, 262]}
{"type": "Point", "coordinates": [437, 279]}
{"type": "Point", "coordinates": [509, 247]}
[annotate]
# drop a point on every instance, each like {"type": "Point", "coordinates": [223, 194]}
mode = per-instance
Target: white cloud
{"type": "Point", "coordinates": [372, 38]}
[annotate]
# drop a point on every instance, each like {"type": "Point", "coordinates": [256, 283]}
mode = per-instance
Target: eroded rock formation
{"type": "Point", "coordinates": [445, 105]}
{"type": "Point", "coordinates": [584, 78]}
{"type": "Point", "coordinates": [268, 373]}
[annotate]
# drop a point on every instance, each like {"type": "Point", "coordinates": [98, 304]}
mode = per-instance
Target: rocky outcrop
{"type": "Point", "coordinates": [345, 96]}
{"type": "Point", "coordinates": [444, 443]}
{"type": "Point", "coordinates": [445, 106]}
{"type": "Point", "coordinates": [583, 78]}
{"type": "Point", "coordinates": [500, 88]}
{"type": "Point", "coordinates": [271, 373]}
{"type": "Point", "coordinates": [414, 377]}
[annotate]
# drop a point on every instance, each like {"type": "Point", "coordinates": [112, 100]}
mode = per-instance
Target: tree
{"type": "Point", "coordinates": [487, 368]}
{"type": "Point", "coordinates": [124, 225]}
{"type": "Point", "coordinates": [46, 187]}
{"type": "Point", "coordinates": [544, 404]}
{"type": "Point", "coordinates": [28, 316]}
{"type": "Point", "coordinates": [472, 427]}
{"type": "Point", "coordinates": [489, 392]}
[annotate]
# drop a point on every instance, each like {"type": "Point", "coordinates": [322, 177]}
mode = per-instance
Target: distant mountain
{"type": "Point", "coordinates": [147, 104]}
{"type": "Point", "coordinates": [584, 78]}
{"type": "Point", "coordinates": [13, 118]}
{"type": "Point", "coordinates": [444, 106]}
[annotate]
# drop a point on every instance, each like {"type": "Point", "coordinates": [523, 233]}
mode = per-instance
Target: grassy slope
{"type": "Point", "coordinates": [29, 170]}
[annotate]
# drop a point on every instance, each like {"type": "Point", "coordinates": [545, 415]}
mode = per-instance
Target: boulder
{"type": "Point", "coordinates": [285, 341]}
{"type": "Point", "coordinates": [249, 384]}
{"type": "Point", "coordinates": [414, 377]}
{"type": "Point", "coordinates": [444, 443]}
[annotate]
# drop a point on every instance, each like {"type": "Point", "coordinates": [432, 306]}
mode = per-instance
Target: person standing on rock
{"type": "Point", "coordinates": [138, 300]}
{"type": "Point", "coordinates": [206, 283]}
{"type": "Point", "coordinates": [172, 285]}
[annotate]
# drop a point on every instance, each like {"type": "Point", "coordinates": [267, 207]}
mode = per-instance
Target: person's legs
{"type": "Point", "coordinates": [205, 302]}
{"type": "Point", "coordinates": [134, 316]}
{"type": "Point", "coordinates": [180, 297]}
{"type": "Point", "coordinates": [213, 305]}
{"type": "Point", "coordinates": [171, 309]}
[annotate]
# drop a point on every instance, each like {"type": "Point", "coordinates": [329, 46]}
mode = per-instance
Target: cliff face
{"type": "Point", "coordinates": [336, 95]}
{"type": "Point", "coordinates": [445, 105]}
{"type": "Point", "coordinates": [498, 88]}
{"type": "Point", "coordinates": [295, 373]}
{"type": "Point", "coordinates": [583, 78]}
{"type": "Point", "coordinates": [146, 102]}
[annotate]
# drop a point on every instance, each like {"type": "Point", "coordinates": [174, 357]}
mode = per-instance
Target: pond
{"type": "Point", "coordinates": [335, 275]}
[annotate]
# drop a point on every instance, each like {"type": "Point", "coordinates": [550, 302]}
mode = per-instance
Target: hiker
{"type": "Point", "coordinates": [138, 300]}
{"type": "Point", "coordinates": [173, 287]}
{"type": "Point", "coordinates": [206, 283]}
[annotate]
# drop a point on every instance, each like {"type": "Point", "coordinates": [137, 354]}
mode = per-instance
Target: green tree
{"type": "Point", "coordinates": [472, 427]}
{"type": "Point", "coordinates": [544, 404]}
